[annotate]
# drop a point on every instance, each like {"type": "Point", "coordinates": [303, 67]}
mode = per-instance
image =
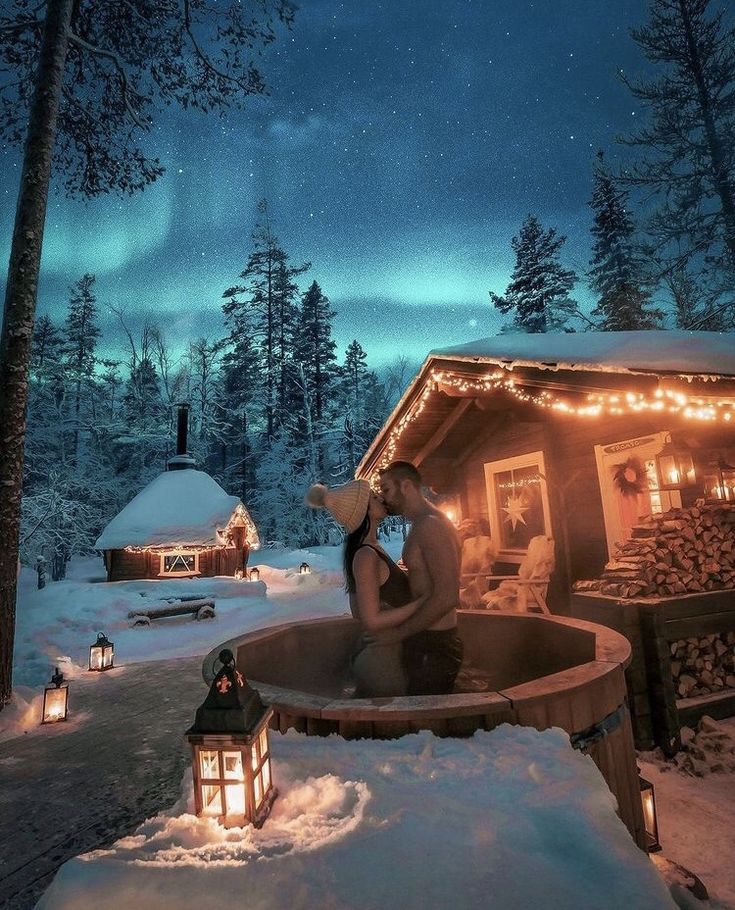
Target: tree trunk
{"type": "Point", "coordinates": [20, 306]}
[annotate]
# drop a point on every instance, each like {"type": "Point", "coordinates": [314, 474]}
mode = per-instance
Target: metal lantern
{"type": "Point", "coordinates": [101, 653]}
{"type": "Point", "coordinates": [304, 569]}
{"type": "Point", "coordinates": [254, 574]}
{"type": "Point", "coordinates": [239, 574]}
{"type": "Point", "coordinates": [719, 481]}
{"type": "Point", "coordinates": [675, 467]}
{"type": "Point", "coordinates": [55, 700]}
{"type": "Point", "coordinates": [231, 751]}
{"type": "Point", "coordinates": [650, 818]}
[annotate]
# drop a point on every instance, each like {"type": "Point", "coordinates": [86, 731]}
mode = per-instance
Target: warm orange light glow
{"type": "Point", "coordinates": [710, 409]}
{"type": "Point", "coordinates": [54, 704]}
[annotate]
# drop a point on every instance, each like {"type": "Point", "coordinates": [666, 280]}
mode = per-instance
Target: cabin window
{"type": "Point", "coordinates": [179, 563]}
{"type": "Point", "coordinates": [518, 502]}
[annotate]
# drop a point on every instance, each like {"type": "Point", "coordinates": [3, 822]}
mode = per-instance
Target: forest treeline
{"type": "Point", "coordinates": [273, 407]}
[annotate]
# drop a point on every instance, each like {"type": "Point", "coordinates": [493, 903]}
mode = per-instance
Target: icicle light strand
{"type": "Point", "coordinates": [596, 403]}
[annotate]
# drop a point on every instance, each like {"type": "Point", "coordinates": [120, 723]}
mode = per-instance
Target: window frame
{"type": "Point", "coordinates": [491, 468]}
{"type": "Point", "coordinates": [178, 552]}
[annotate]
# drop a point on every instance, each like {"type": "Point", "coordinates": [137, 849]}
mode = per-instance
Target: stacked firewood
{"type": "Point", "coordinates": [683, 551]}
{"type": "Point", "coordinates": [703, 665]}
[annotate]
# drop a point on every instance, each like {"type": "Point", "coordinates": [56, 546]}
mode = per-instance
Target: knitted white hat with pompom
{"type": "Point", "coordinates": [347, 504]}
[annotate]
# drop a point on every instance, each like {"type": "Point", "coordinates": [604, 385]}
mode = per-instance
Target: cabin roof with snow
{"type": "Point", "coordinates": [572, 367]}
{"type": "Point", "coordinates": [678, 352]}
{"type": "Point", "coordinates": [177, 508]}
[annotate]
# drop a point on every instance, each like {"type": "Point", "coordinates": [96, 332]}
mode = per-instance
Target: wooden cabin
{"type": "Point", "coordinates": [621, 447]}
{"type": "Point", "coordinates": [181, 525]}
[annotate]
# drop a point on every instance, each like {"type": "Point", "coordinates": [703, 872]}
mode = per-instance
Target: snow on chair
{"type": "Point", "coordinates": [478, 555]}
{"type": "Point", "coordinates": [528, 588]}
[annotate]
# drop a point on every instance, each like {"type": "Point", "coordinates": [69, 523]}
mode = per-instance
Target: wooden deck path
{"type": "Point", "coordinates": [67, 791]}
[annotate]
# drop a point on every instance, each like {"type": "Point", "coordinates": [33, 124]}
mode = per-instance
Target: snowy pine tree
{"type": "Point", "coordinates": [538, 293]}
{"type": "Point", "coordinates": [81, 331]}
{"type": "Point", "coordinates": [687, 153]}
{"type": "Point", "coordinates": [617, 272]}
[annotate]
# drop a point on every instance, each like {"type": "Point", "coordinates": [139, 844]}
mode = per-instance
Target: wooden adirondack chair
{"type": "Point", "coordinates": [523, 592]}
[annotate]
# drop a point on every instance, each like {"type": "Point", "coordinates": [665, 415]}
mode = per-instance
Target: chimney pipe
{"type": "Point", "coordinates": [181, 460]}
{"type": "Point", "coordinates": [182, 429]}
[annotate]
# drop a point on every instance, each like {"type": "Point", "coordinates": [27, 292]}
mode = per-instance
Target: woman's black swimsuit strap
{"type": "Point", "coordinates": [395, 590]}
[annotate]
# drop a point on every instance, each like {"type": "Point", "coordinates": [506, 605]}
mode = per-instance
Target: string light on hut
{"type": "Point", "coordinates": [101, 653]}
{"type": "Point", "coordinates": [231, 751]}
{"type": "Point", "coordinates": [55, 700]}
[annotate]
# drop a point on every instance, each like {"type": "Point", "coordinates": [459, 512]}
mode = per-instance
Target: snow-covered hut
{"type": "Point", "coordinates": [181, 524]}
{"type": "Point", "coordinates": [618, 445]}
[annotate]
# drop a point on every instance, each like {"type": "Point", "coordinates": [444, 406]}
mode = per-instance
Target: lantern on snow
{"type": "Point", "coordinates": [650, 818]}
{"type": "Point", "coordinates": [239, 574]}
{"type": "Point", "coordinates": [304, 569]}
{"type": "Point", "coordinates": [254, 574]}
{"type": "Point", "coordinates": [101, 653]}
{"type": "Point", "coordinates": [55, 700]}
{"type": "Point", "coordinates": [231, 751]}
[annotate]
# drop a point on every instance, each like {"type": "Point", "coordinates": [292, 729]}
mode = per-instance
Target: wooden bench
{"type": "Point", "coordinates": [201, 607]}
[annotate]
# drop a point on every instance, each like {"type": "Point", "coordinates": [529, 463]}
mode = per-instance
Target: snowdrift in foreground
{"type": "Point", "coordinates": [509, 819]}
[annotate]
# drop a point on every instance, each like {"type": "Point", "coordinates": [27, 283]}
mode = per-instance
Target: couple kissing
{"type": "Point", "coordinates": [409, 643]}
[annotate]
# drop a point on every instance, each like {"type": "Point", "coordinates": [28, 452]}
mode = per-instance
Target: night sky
{"type": "Point", "coordinates": [400, 149]}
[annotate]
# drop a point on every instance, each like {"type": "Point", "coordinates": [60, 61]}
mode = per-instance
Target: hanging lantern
{"type": "Point", "coordinates": [55, 700]}
{"type": "Point", "coordinates": [254, 574]}
{"type": "Point", "coordinates": [719, 480]}
{"type": "Point", "coordinates": [650, 819]}
{"type": "Point", "coordinates": [231, 751]}
{"type": "Point", "coordinates": [239, 574]}
{"type": "Point", "coordinates": [304, 569]}
{"type": "Point", "coordinates": [101, 653]}
{"type": "Point", "coordinates": [675, 467]}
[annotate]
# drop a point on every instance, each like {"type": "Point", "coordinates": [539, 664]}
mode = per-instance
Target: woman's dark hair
{"type": "Point", "coordinates": [352, 544]}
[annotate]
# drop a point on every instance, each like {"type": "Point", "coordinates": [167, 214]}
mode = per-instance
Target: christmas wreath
{"type": "Point", "coordinates": [630, 477]}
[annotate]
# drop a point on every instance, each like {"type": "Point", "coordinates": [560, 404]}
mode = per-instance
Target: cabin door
{"type": "Point", "coordinates": [629, 485]}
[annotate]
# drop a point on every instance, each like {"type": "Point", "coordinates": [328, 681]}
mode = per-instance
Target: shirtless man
{"type": "Point", "coordinates": [432, 650]}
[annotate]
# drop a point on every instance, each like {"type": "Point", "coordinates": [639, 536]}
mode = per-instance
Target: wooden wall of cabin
{"type": "Point", "coordinates": [125, 565]}
{"type": "Point", "coordinates": [575, 500]}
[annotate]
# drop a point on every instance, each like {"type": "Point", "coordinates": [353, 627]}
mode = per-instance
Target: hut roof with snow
{"type": "Point", "coordinates": [177, 508]}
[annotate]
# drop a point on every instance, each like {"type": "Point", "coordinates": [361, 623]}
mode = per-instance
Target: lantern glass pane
{"type": "Point", "coordinates": [686, 464]}
{"type": "Point", "coordinates": [232, 767]}
{"type": "Point", "coordinates": [263, 742]}
{"type": "Point", "coordinates": [266, 775]}
{"type": "Point", "coordinates": [107, 657]}
{"type": "Point", "coordinates": [669, 470]}
{"type": "Point", "coordinates": [209, 764]}
{"type": "Point", "coordinates": [95, 658]}
{"type": "Point", "coordinates": [54, 704]}
{"type": "Point", "coordinates": [254, 758]}
{"type": "Point", "coordinates": [235, 795]}
{"type": "Point", "coordinates": [649, 818]}
{"type": "Point", "coordinates": [211, 800]}
{"type": "Point", "coordinates": [728, 484]}
{"type": "Point", "coordinates": [258, 790]}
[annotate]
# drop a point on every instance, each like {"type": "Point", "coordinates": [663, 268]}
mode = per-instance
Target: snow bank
{"type": "Point", "coordinates": [509, 819]}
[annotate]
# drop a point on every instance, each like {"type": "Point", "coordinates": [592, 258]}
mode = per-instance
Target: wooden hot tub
{"type": "Point", "coordinates": [542, 671]}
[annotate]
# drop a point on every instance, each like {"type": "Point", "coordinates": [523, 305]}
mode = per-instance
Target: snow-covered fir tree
{"type": "Point", "coordinates": [81, 331]}
{"type": "Point", "coordinates": [617, 270]}
{"type": "Point", "coordinates": [538, 293]}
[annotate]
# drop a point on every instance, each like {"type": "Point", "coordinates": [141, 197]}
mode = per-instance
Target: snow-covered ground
{"type": "Point", "coordinates": [508, 819]}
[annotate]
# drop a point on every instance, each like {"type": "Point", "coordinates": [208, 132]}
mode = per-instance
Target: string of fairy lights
{"type": "Point", "coordinates": [595, 404]}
